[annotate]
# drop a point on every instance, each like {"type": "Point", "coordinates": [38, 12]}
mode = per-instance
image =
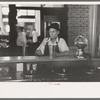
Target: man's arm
{"type": "Point", "coordinates": [40, 50]}
{"type": "Point", "coordinates": [64, 50]}
{"type": "Point", "coordinates": [24, 49]}
{"type": "Point", "coordinates": [24, 45]}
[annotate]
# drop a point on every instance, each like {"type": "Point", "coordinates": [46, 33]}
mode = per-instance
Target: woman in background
{"type": "Point", "coordinates": [21, 40]}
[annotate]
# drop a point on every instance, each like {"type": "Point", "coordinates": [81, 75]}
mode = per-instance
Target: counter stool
{"type": "Point", "coordinates": [61, 72]}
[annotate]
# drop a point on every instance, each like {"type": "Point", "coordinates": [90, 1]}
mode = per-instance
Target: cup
{"type": "Point", "coordinates": [50, 51]}
{"type": "Point", "coordinates": [28, 66]}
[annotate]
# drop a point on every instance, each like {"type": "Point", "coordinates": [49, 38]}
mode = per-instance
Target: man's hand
{"type": "Point", "coordinates": [38, 52]}
{"type": "Point", "coordinates": [65, 53]}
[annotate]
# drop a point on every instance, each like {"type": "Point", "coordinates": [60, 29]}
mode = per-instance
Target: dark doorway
{"type": "Point", "coordinates": [49, 15]}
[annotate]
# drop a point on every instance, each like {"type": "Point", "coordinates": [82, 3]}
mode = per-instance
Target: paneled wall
{"type": "Point", "coordinates": [78, 22]}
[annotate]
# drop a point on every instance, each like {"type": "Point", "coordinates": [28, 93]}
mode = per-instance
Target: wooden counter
{"type": "Point", "coordinates": [18, 59]}
{"type": "Point", "coordinates": [54, 62]}
{"type": "Point", "coordinates": [95, 63]}
{"type": "Point", "coordinates": [60, 62]}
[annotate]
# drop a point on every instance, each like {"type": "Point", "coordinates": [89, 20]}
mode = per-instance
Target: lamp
{"type": "Point", "coordinates": [80, 42]}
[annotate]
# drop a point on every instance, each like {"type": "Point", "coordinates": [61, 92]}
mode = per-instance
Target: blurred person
{"type": "Point", "coordinates": [34, 35]}
{"type": "Point", "coordinates": [21, 39]}
{"type": "Point", "coordinates": [2, 32]}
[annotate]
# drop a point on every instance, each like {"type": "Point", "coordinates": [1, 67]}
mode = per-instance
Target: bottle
{"type": "Point", "coordinates": [50, 51]}
{"type": "Point", "coordinates": [28, 68]}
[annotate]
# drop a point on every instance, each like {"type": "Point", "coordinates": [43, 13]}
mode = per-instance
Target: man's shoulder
{"type": "Point", "coordinates": [45, 39]}
{"type": "Point", "coordinates": [61, 39]}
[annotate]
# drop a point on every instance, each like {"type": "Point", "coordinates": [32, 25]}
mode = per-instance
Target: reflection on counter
{"type": "Point", "coordinates": [44, 69]}
{"type": "Point", "coordinates": [71, 76]}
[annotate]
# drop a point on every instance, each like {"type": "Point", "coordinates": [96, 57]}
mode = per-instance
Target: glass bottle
{"type": "Point", "coordinates": [80, 42]}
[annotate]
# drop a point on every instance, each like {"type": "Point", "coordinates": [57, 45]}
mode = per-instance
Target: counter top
{"type": "Point", "coordinates": [19, 59]}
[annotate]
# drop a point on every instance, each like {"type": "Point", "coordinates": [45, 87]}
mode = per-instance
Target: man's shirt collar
{"type": "Point", "coordinates": [50, 43]}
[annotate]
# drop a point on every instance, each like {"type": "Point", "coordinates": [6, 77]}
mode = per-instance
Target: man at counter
{"type": "Point", "coordinates": [61, 48]}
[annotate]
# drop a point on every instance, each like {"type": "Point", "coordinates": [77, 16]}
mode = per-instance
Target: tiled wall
{"type": "Point", "coordinates": [78, 22]}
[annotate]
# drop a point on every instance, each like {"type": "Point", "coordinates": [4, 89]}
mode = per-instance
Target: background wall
{"type": "Point", "coordinates": [78, 22]}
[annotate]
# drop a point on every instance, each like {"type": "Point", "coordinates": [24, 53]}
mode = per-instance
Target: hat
{"type": "Point", "coordinates": [54, 25]}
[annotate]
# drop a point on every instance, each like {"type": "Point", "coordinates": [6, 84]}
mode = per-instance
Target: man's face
{"type": "Point", "coordinates": [53, 33]}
